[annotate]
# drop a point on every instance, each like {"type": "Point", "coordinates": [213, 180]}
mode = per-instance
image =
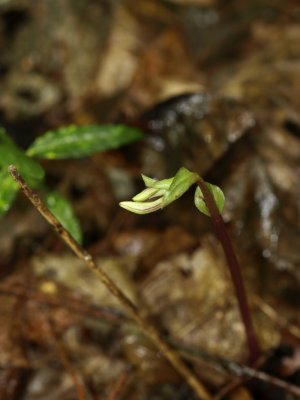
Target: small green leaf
{"type": "Point", "coordinates": [63, 211]}
{"type": "Point", "coordinates": [164, 184]}
{"type": "Point", "coordinates": [181, 182]}
{"type": "Point", "coordinates": [149, 182]}
{"type": "Point", "coordinates": [8, 191]}
{"type": "Point", "coordinates": [80, 141]}
{"type": "Point", "coordinates": [218, 196]}
{"type": "Point", "coordinates": [11, 154]}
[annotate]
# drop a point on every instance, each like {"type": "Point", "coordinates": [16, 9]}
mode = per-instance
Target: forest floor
{"type": "Point", "coordinates": [215, 87]}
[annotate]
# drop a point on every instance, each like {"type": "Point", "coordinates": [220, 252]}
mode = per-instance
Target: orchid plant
{"type": "Point", "coordinates": [159, 194]}
{"type": "Point", "coordinates": [209, 200]}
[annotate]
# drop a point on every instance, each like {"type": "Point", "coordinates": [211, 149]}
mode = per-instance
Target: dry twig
{"type": "Point", "coordinates": [243, 372]}
{"type": "Point", "coordinates": [119, 386]}
{"type": "Point", "coordinates": [171, 355]}
{"type": "Point", "coordinates": [282, 322]}
{"type": "Point", "coordinates": [58, 344]}
{"type": "Point", "coordinates": [77, 306]}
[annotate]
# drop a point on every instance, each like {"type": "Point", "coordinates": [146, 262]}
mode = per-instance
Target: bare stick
{"type": "Point", "coordinates": [171, 355]}
{"type": "Point", "coordinates": [235, 271]}
{"type": "Point", "coordinates": [243, 372]}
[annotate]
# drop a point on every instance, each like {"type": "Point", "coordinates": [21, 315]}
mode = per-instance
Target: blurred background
{"type": "Point", "coordinates": [214, 85]}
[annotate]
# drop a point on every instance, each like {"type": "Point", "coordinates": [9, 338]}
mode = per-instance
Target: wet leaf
{"type": "Point", "coordinates": [80, 141]}
{"type": "Point", "coordinates": [194, 130]}
{"type": "Point", "coordinates": [63, 211]}
{"type": "Point", "coordinates": [218, 196]}
{"type": "Point", "coordinates": [8, 191]}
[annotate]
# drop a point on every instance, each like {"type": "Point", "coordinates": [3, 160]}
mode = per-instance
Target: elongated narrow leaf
{"type": "Point", "coordinates": [63, 211]}
{"type": "Point", "coordinates": [218, 196]}
{"type": "Point", "coordinates": [79, 141]}
{"type": "Point", "coordinates": [8, 191]}
{"type": "Point", "coordinates": [11, 154]}
{"type": "Point", "coordinates": [181, 182]}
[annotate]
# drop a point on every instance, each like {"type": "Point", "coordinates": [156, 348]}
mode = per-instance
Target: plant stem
{"type": "Point", "coordinates": [169, 353]}
{"type": "Point", "coordinates": [234, 268]}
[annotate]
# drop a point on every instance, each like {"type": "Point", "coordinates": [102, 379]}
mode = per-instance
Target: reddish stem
{"type": "Point", "coordinates": [235, 271]}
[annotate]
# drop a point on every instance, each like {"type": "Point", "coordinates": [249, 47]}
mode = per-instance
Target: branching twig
{"type": "Point", "coordinates": [132, 310]}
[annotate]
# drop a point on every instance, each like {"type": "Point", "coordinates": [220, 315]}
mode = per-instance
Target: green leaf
{"type": "Point", "coordinates": [218, 196]}
{"type": "Point", "coordinates": [149, 182]}
{"type": "Point", "coordinates": [4, 138]}
{"type": "Point", "coordinates": [8, 191]}
{"type": "Point", "coordinates": [164, 184]}
{"type": "Point", "coordinates": [63, 211]}
{"type": "Point", "coordinates": [181, 182]}
{"type": "Point", "coordinates": [11, 154]}
{"type": "Point", "coordinates": [80, 141]}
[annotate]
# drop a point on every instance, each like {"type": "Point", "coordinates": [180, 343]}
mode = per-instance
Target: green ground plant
{"type": "Point", "coordinates": [64, 143]}
{"type": "Point", "coordinates": [209, 200]}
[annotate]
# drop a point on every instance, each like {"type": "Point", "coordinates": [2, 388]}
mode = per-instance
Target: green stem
{"type": "Point", "coordinates": [235, 272]}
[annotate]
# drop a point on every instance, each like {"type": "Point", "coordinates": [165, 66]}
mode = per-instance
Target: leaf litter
{"type": "Point", "coordinates": [234, 72]}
